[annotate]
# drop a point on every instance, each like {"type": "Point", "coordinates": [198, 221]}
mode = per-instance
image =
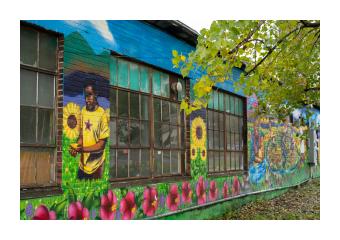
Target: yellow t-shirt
{"type": "Point", "coordinates": [94, 127]}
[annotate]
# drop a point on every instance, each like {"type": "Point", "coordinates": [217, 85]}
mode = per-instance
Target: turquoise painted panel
{"type": "Point", "coordinates": [123, 74]}
{"type": "Point", "coordinates": [144, 80]}
{"type": "Point", "coordinates": [156, 83]}
{"type": "Point", "coordinates": [165, 91]}
{"type": "Point", "coordinates": [113, 71]}
{"type": "Point", "coordinates": [134, 77]}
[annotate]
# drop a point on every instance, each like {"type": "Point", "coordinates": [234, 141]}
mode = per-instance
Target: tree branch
{"type": "Point", "coordinates": [250, 34]}
{"type": "Point", "coordinates": [271, 50]}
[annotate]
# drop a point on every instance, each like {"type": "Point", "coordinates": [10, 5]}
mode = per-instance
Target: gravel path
{"type": "Point", "coordinates": [302, 202]}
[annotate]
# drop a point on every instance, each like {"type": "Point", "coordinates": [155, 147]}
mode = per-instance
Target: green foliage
{"type": "Point", "coordinates": [282, 63]}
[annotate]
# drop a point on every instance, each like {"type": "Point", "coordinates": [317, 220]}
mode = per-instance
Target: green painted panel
{"type": "Point", "coordinates": [123, 75]}
{"type": "Point", "coordinates": [134, 76]}
{"type": "Point", "coordinates": [215, 100]}
{"type": "Point", "coordinates": [156, 83]}
{"type": "Point", "coordinates": [144, 80]}
{"type": "Point", "coordinates": [221, 101]}
{"type": "Point", "coordinates": [113, 71]}
{"type": "Point", "coordinates": [232, 106]}
{"type": "Point", "coordinates": [165, 91]}
{"type": "Point", "coordinates": [227, 103]}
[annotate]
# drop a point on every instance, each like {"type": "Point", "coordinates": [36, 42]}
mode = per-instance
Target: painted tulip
{"type": "Point", "coordinates": [213, 191]}
{"type": "Point", "coordinates": [42, 213]}
{"type": "Point", "coordinates": [76, 211]}
{"type": "Point", "coordinates": [186, 192]}
{"type": "Point", "coordinates": [173, 198]}
{"type": "Point", "coordinates": [150, 202]}
{"type": "Point", "coordinates": [200, 191]}
{"type": "Point", "coordinates": [236, 186]}
{"type": "Point", "coordinates": [108, 206]}
{"type": "Point", "coordinates": [225, 190]}
{"type": "Point", "coordinates": [128, 206]}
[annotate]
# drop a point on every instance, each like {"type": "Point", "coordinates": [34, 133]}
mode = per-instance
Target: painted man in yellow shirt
{"type": "Point", "coordinates": [93, 137]}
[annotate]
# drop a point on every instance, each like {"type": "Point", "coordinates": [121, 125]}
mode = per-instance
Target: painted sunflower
{"type": "Point", "coordinates": [107, 113]}
{"type": "Point", "coordinates": [71, 120]}
{"type": "Point", "coordinates": [198, 132]}
{"type": "Point", "coordinates": [203, 153]}
{"type": "Point", "coordinates": [193, 152]}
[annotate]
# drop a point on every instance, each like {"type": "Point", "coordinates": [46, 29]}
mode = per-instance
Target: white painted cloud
{"type": "Point", "coordinates": [103, 28]}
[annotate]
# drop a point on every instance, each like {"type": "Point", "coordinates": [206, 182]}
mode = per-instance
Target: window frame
{"type": "Point", "coordinates": [53, 187]}
{"type": "Point", "coordinates": [225, 150]}
{"type": "Point", "coordinates": [152, 178]}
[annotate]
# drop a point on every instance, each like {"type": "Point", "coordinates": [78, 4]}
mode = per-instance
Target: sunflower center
{"type": "Point", "coordinates": [199, 132]}
{"type": "Point", "coordinates": [203, 153]}
{"type": "Point", "coordinates": [72, 121]}
{"type": "Point", "coordinates": [193, 151]}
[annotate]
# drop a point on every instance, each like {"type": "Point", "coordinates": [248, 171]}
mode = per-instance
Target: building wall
{"type": "Point", "coordinates": [275, 158]}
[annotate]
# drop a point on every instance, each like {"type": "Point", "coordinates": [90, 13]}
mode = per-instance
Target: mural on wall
{"type": "Point", "coordinates": [276, 152]}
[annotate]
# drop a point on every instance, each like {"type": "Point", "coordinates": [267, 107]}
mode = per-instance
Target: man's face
{"type": "Point", "coordinates": [90, 102]}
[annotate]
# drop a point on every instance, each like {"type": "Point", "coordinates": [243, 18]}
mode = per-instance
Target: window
{"type": "Point", "coordinates": [147, 128]}
{"type": "Point", "coordinates": [38, 66]}
{"type": "Point", "coordinates": [226, 134]}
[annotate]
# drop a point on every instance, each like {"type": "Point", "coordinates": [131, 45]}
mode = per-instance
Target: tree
{"type": "Point", "coordinates": [281, 61]}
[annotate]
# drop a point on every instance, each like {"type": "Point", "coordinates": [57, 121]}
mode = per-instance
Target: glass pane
{"type": "Point", "coordinates": [227, 103]}
{"type": "Point", "coordinates": [216, 140]}
{"type": "Point", "coordinates": [157, 109]}
{"type": "Point", "coordinates": [175, 162]}
{"type": "Point", "coordinates": [134, 163]}
{"type": "Point", "coordinates": [216, 121]}
{"type": "Point", "coordinates": [211, 139]}
{"type": "Point", "coordinates": [217, 161]}
{"type": "Point", "coordinates": [28, 46]}
{"type": "Point", "coordinates": [134, 77]}
{"type": "Point", "coordinates": [174, 136]}
{"type": "Point", "coordinates": [144, 128]}
{"type": "Point", "coordinates": [232, 106]}
{"type": "Point", "coordinates": [165, 91]}
{"type": "Point", "coordinates": [174, 113]}
{"type": "Point", "coordinates": [237, 141]}
{"type": "Point", "coordinates": [134, 131]}
{"type": "Point", "coordinates": [27, 124]}
{"type": "Point", "coordinates": [240, 106]}
{"type": "Point", "coordinates": [222, 161]}
{"type": "Point", "coordinates": [215, 100]}
{"type": "Point", "coordinates": [165, 136]}
{"type": "Point", "coordinates": [123, 80]}
{"type": "Point", "coordinates": [166, 162]}
{"type": "Point", "coordinates": [233, 161]}
{"type": "Point", "coordinates": [236, 106]}
{"type": "Point", "coordinates": [227, 123]}
{"type": "Point", "coordinates": [144, 107]}
{"type": "Point", "coordinates": [46, 90]}
{"type": "Point", "coordinates": [182, 138]}
{"type": "Point", "coordinates": [113, 71]}
{"type": "Point", "coordinates": [158, 135]}
{"type": "Point", "coordinates": [240, 125]}
{"type": "Point", "coordinates": [221, 140]}
{"type": "Point", "coordinates": [113, 132]}
{"type": "Point", "coordinates": [123, 104]}
{"type": "Point", "coordinates": [181, 95]}
{"type": "Point", "coordinates": [145, 162]}
{"type": "Point", "coordinates": [165, 111]}
{"type": "Point", "coordinates": [144, 80]}
{"type": "Point", "coordinates": [134, 105]}
{"type": "Point", "coordinates": [156, 83]}
{"type": "Point", "coordinates": [220, 127]}
{"type": "Point", "coordinates": [228, 161]}
{"type": "Point", "coordinates": [112, 171]}
{"type": "Point", "coordinates": [123, 132]}
{"type": "Point", "coordinates": [211, 161]}
{"type": "Point", "coordinates": [210, 119]}
{"type": "Point", "coordinates": [241, 161]}
{"type": "Point", "coordinates": [45, 126]}
{"type": "Point", "coordinates": [221, 101]}
{"type": "Point", "coordinates": [158, 162]}
{"type": "Point", "coordinates": [47, 51]}
{"type": "Point", "coordinates": [228, 140]}
{"type": "Point", "coordinates": [232, 141]}
{"type": "Point", "coordinates": [28, 87]}
{"type": "Point", "coordinates": [122, 162]}
{"type": "Point", "coordinates": [113, 102]}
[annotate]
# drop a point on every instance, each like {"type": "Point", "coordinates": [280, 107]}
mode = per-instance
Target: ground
{"type": "Point", "coordinates": [302, 202]}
